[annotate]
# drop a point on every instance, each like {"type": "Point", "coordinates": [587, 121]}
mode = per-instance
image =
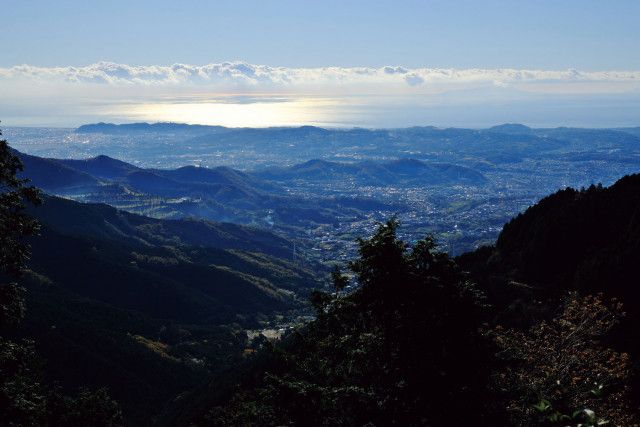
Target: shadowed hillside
{"type": "Point", "coordinates": [586, 240]}
{"type": "Point", "coordinates": [149, 307]}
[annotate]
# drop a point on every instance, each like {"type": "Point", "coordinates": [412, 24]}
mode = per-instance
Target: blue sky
{"type": "Point", "coordinates": [586, 34]}
{"type": "Point", "coordinates": [80, 62]}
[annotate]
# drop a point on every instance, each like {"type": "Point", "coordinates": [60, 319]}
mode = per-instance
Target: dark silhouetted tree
{"type": "Point", "coordinates": [24, 400]}
{"type": "Point", "coordinates": [404, 348]}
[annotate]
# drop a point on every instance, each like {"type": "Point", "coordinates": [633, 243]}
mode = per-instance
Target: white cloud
{"type": "Point", "coordinates": [240, 74]}
{"type": "Point", "coordinates": [395, 70]}
{"type": "Point", "coordinates": [413, 79]}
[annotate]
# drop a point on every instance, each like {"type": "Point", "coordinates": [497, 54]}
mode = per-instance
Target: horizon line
{"type": "Point", "coordinates": [439, 127]}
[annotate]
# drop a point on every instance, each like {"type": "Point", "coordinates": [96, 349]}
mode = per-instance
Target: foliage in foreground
{"type": "Point", "coordinates": [24, 399]}
{"type": "Point", "coordinates": [561, 372]}
{"type": "Point", "coordinates": [413, 346]}
{"type": "Point", "coordinates": [405, 348]}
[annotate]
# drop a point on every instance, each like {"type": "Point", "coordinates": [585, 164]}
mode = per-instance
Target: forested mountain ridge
{"type": "Point", "coordinates": [104, 221]}
{"type": "Point", "coordinates": [586, 240]}
{"type": "Point", "coordinates": [25, 398]}
{"type": "Point", "coordinates": [583, 238]}
{"type": "Point", "coordinates": [129, 302]}
{"type": "Point", "coordinates": [219, 194]}
{"type": "Point", "coordinates": [61, 174]}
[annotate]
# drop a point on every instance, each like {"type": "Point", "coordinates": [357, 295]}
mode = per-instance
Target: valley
{"type": "Point", "coordinates": [163, 284]}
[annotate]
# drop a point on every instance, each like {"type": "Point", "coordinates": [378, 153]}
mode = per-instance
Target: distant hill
{"type": "Point", "coordinates": [511, 129]}
{"type": "Point", "coordinates": [632, 131]}
{"type": "Point", "coordinates": [103, 178]}
{"type": "Point", "coordinates": [101, 167]}
{"type": "Point", "coordinates": [217, 176]}
{"type": "Point", "coordinates": [594, 139]}
{"type": "Point", "coordinates": [500, 144]}
{"type": "Point", "coordinates": [398, 172]}
{"type": "Point", "coordinates": [504, 143]}
{"type": "Point", "coordinates": [161, 180]}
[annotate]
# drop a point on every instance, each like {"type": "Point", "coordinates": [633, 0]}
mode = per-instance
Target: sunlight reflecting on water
{"type": "Point", "coordinates": [238, 113]}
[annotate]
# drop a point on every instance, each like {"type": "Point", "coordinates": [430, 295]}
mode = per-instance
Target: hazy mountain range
{"type": "Point", "coordinates": [227, 194]}
{"type": "Point", "coordinates": [459, 184]}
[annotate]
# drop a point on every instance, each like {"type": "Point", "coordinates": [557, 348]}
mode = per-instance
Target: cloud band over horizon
{"type": "Point", "coordinates": [242, 94]}
{"type": "Point", "coordinates": [244, 74]}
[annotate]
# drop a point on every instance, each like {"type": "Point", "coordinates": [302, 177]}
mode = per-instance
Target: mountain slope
{"type": "Point", "coordinates": [187, 271]}
{"type": "Point", "coordinates": [101, 167]}
{"type": "Point", "coordinates": [586, 240]}
{"type": "Point", "coordinates": [85, 343]}
{"type": "Point", "coordinates": [52, 175]}
{"type": "Point", "coordinates": [149, 308]}
{"type": "Point", "coordinates": [105, 222]}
